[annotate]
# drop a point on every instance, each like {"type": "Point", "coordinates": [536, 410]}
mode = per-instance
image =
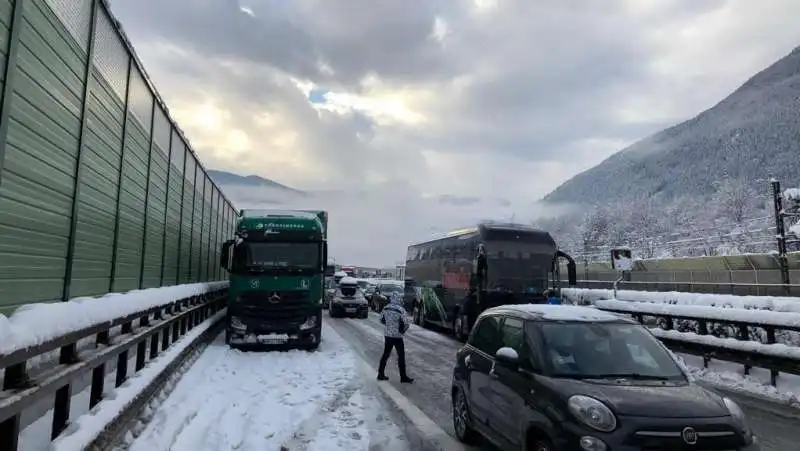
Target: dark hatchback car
{"type": "Point", "coordinates": [558, 377]}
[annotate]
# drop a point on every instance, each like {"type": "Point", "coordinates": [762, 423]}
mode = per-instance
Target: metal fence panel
{"type": "Point", "coordinates": [39, 157]}
{"type": "Point", "coordinates": [91, 199]}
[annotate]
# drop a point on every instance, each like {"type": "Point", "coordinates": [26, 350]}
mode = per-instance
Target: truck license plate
{"type": "Point", "coordinates": [350, 310]}
{"type": "Point", "coordinates": [273, 339]}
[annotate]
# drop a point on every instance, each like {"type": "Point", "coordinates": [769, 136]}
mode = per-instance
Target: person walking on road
{"type": "Point", "coordinates": [393, 317]}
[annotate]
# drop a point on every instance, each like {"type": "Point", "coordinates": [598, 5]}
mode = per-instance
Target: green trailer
{"type": "Point", "coordinates": [276, 265]}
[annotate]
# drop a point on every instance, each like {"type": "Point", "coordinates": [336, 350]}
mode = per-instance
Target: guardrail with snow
{"type": "Point", "coordinates": [45, 348]}
{"type": "Point", "coordinates": [732, 288]}
{"type": "Point", "coordinates": [752, 337]}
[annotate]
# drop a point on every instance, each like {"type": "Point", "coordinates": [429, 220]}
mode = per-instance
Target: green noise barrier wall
{"type": "Point", "coordinates": [99, 189]}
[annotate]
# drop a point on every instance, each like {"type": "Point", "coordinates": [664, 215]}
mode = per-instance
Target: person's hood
{"type": "Point", "coordinates": [396, 298]}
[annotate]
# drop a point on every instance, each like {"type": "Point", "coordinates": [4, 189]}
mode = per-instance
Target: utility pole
{"type": "Point", "coordinates": [780, 234]}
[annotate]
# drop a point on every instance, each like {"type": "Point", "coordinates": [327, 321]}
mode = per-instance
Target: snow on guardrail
{"type": "Point", "coordinates": [34, 324]}
{"type": "Point", "coordinates": [749, 316]}
{"type": "Point", "coordinates": [587, 296]}
{"type": "Point", "coordinates": [731, 344]}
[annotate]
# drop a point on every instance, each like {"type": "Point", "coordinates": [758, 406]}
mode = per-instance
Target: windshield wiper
{"type": "Point", "coordinates": [637, 376]}
{"type": "Point", "coordinates": [255, 268]}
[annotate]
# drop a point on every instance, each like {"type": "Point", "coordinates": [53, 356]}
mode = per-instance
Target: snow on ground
{"type": "Point", "coordinates": [232, 399]}
{"type": "Point", "coordinates": [34, 324]}
{"type": "Point", "coordinates": [83, 429]}
{"type": "Point", "coordinates": [731, 376]}
{"type": "Point", "coordinates": [775, 303]}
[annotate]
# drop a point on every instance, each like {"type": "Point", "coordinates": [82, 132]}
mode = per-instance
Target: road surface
{"type": "Point", "coordinates": [431, 355]}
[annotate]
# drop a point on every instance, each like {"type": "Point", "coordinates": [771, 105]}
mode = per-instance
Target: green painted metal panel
{"type": "Point", "coordinates": [156, 207]}
{"type": "Point", "coordinates": [98, 192]}
{"type": "Point", "coordinates": [41, 150]}
{"type": "Point", "coordinates": [132, 207]}
{"type": "Point", "coordinates": [170, 223]}
{"type": "Point", "coordinates": [187, 215]}
{"type": "Point", "coordinates": [6, 11]}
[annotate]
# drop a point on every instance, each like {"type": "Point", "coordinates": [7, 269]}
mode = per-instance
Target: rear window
{"type": "Point", "coordinates": [349, 290]}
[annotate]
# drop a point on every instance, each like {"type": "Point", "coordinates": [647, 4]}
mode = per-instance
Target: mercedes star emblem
{"type": "Point", "coordinates": [274, 298]}
{"type": "Point", "coordinates": [689, 435]}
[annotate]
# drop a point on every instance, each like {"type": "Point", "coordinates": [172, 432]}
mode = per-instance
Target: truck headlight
{"type": "Point", "coordinates": [592, 413]}
{"type": "Point", "coordinates": [311, 322]}
{"type": "Point", "coordinates": [237, 324]}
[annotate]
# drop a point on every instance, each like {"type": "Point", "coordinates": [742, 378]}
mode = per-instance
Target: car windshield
{"type": "Point", "coordinates": [390, 288]}
{"type": "Point", "coordinates": [608, 350]}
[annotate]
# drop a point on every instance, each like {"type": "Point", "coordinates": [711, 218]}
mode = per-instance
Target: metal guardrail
{"type": "Point", "coordinates": [148, 332]}
{"type": "Point", "coordinates": [706, 326]}
{"type": "Point", "coordinates": [733, 288]}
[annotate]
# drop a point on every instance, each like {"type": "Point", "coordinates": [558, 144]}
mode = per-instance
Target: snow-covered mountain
{"type": "Point", "coordinates": [252, 181]}
{"type": "Point", "coordinates": [751, 135]}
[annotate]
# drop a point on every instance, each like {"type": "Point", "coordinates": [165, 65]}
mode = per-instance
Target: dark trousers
{"type": "Point", "coordinates": [388, 344]}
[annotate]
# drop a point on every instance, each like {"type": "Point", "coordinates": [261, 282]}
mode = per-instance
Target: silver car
{"type": "Point", "coordinates": [348, 301]}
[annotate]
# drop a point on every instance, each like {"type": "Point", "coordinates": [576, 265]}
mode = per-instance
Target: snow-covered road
{"type": "Point", "coordinates": [329, 400]}
{"type": "Point", "coordinates": [431, 356]}
{"type": "Point", "coordinates": [234, 400]}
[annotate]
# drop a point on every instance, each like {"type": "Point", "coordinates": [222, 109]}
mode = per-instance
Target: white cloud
{"type": "Point", "coordinates": [498, 99]}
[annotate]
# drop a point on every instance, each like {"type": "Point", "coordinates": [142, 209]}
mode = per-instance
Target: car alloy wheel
{"type": "Point", "coordinates": [460, 414]}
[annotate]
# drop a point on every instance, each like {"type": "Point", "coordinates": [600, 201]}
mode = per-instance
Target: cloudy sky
{"type": "Point", "coordinates": [495, 99]}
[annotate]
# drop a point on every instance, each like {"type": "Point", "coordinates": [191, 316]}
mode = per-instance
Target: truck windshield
{"type": "Point", "coordinates": [267, 256]}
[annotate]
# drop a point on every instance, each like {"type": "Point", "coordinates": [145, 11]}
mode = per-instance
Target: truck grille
{"type": "Point", "coordinates": [291, 305]}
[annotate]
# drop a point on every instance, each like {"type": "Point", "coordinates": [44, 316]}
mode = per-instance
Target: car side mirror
{"type": "Point", "coordinates": [507, 357]}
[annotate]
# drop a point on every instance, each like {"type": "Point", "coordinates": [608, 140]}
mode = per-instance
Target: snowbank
{"type": "Point", "coordinates": [774, 303]}
{"type": "Point", "coordinates": [792, 194]}
{"type": "Point", "coordinates": [34, 324]}
{"type": "Point", "coordinates": [762, 317]}
{"type": "Point", "coordinates": [296, 400]}
{"type": "Point", "coordinates": [84, 429]}
{"type": "Point", "coordinates": [732, 344]}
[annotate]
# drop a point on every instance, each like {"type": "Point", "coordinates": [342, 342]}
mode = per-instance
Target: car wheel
{"type": "Point", "coordinates": [461, 419]}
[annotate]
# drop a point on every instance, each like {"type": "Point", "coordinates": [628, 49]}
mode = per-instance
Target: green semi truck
{"type": "Point", "coordinates": [276, 264]}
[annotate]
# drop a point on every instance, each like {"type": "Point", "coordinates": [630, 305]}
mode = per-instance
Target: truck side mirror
{"type": "Point", "coordinates": [225, 254]}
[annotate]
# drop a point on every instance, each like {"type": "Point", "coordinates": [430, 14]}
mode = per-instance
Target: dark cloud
{"type": "Point", "coordinates": [526, 80]}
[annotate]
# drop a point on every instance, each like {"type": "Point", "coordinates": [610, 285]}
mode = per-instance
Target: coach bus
{"type": "Point", "coordinates": [467, 271]}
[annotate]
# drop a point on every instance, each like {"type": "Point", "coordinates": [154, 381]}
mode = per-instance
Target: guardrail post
{"type": "Point", "coordinates": [780, 231]}
{"type": "Point", "coordinates": [61, 410]}
{"type": "Point", "coordinates": [154, 345]}
{"type": "Point", "coordinates": [773, 374]}
{"type": "Point", "coordinates": [15, 377]}
{"type": "Point", "coordinates": [98, 381]}
{"type": "Point", "coordinates": [122, 368]}
{"type": "Point", "coordinates": [141, 353]}
{"type": "Point", "coordinates": [9, 433]}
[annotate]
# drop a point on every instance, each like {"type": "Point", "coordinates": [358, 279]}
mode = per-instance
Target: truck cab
{"type": "Point", "coordinates": [276, 267]}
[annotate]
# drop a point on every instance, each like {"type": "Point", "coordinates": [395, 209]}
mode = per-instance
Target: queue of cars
{"type": "Point", "coordinates": [351, 297]}
{"type": "Point", "coordinates": [561, 377]}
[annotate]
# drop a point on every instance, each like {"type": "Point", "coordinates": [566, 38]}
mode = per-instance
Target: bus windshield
{"type": "Point", "coordinates": [518, 266]}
